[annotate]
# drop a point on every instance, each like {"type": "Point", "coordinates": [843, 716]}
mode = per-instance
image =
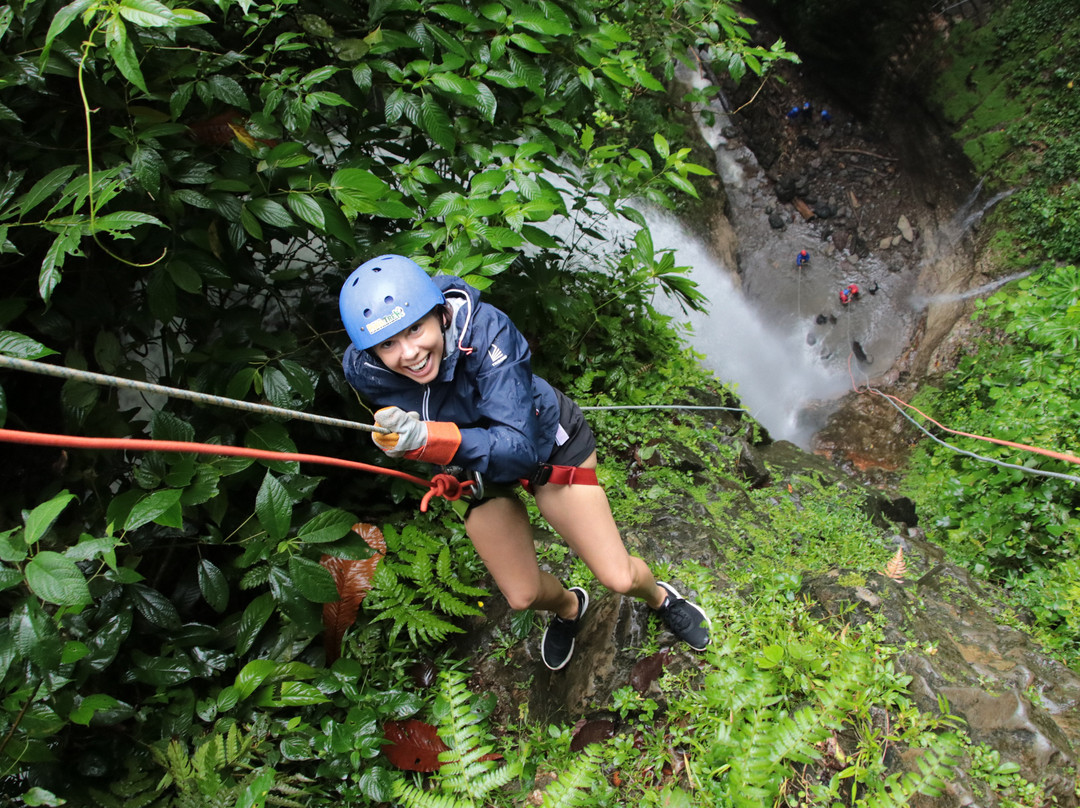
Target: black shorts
{"type": "Point", "coordinates": [574, 440]}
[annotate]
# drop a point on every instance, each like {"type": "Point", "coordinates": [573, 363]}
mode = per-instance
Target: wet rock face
{"type": "Point", "coordinates": [1011, 697]}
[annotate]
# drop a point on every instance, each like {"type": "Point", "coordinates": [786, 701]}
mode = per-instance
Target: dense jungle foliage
{"type": "Point", "coordinates": [184, 188]}
{"type": "Point", "coordinates": [1012, 90]}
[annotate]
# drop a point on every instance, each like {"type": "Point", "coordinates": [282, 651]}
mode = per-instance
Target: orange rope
{"type": "Point", "coordinates": [1068, 458]}
{"type": "Point", "coordinates": [444, 485]}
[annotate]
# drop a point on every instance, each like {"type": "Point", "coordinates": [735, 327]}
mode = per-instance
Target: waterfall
{"type": "Point", "coordinates": [778, 376]}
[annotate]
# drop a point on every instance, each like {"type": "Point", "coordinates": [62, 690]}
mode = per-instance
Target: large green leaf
{"type": "Point", "coordinates": [44, 188]}
{"type": "Point", "coordinates": [162, 507]}
{"type": "Point", "coordinates": [154, 606]}
{"type": "Point", "coordinates": [42, 517]}
{"type": "Point", "coordinates": [252, 675]}
{"type": "Point", "coordinates": [146, 13]}
{"type": "Point", "coordinates": [122, 51]}
{"type": "Point", "coordinates": [328, 526]}
{"type": "Point", "coordinates": [306, 209]}
{"type": "Point", "coordinates": [273, 507]}
{"type": "Point", "coordinates": [213, 585]}
{"type": "Point", "coordinates": [275, 438]}
{"type": "Point", "coordinates": [271, 212]}
{"type": "Point", "coordinates": [255, 616]}
{"type": "Point", "coordinates": [313, 580]}
{"type": "Point", "coordinates": [13, 344]}
{"type": "Point", "coordinates": [56, 579]}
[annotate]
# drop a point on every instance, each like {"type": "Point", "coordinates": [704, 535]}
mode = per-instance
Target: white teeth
{"type": "Point", "coordinates": [419, 367]}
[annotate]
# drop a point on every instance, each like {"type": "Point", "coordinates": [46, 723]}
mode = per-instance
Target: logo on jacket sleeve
{"type": "Point", "coordinates": [496, 356]}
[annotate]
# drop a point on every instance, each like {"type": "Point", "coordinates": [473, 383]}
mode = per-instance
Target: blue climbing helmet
{"type": "Point", "coordinates": [384, 296]}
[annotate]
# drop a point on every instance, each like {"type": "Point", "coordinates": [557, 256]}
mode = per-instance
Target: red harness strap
{"type": "Point", "coordinates": [560, 475]}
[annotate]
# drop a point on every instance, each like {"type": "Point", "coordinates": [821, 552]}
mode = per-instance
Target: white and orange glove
{"type": "Point", "coordinates": [413, 439]}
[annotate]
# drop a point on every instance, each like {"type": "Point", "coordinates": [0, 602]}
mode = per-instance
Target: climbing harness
{"type": "Point", "coordinates": [559, 475]}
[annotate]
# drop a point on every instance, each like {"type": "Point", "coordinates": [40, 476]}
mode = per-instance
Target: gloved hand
{"type": "Point", "coordinates": [408, 431]}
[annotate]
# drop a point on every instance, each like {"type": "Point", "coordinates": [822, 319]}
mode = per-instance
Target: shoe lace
{"type": "Point", "coordinates": [679, 617]}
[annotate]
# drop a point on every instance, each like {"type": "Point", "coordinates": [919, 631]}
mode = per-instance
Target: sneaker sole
{"type": "Point", "coordinates": [694, 606]}
{"type": "Point", "coordinates": [583, 607]}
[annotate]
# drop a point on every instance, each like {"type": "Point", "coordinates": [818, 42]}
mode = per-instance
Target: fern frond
{"type": "Point", "coordinates": [794, 737]}
{"type": "Point", "coordinates": [478, 785]}
{"type": "Point", "coordinates": [412, 797]}
{"type": "Point", "coordinates": [423, 626]}
{"type": "Point", "coordinates": [575, 786]}
{"type": "Point", "coordinates": [935, 768]}
{"type": "Point", "coordinates": [179, 763]}
{"type": "Point", "coordinates": [445, 569]}
{"type": "Point", "coordinates": [897, 567]}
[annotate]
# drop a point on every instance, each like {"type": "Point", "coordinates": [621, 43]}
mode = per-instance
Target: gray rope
{"type": "Point", "coordinates": [61, 372]}
{"type": "Point", "coordinates": [665, 407]}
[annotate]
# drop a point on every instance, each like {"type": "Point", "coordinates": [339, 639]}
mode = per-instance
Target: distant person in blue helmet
{"type": "Point", "coordinates": [453, 380]}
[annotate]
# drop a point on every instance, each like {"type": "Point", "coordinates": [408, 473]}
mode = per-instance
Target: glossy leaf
{"type": "Point", "coordinates": [212, 584]}
{"type": "Point", "coordinates": [314, 581]}
{"type": "Point", "coordinates": [39, 520]}
{"type": "Point", "coordinates": [56, 579]}
{"type": "Point", "coordinates": [256, 614]}
{"type": "Point", "coordinates": [273, 507]}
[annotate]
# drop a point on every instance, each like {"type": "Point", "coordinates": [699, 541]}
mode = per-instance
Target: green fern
{"type": "Point", "coordinates": [935, 768]}
{"type": "Point", "coordinates": [576, 786]}
{"type": "Point", "coordinates": [465, 778]}
{"type": "Point", "coordinates": [416, 588]}
{"type": "Point", "coordinates": [138, 789]}
{"type": "Point", "coordinates": [220, 773]}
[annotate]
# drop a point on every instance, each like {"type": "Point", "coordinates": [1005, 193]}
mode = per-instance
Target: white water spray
{"type": "Point", "coordinates": [920, 302]}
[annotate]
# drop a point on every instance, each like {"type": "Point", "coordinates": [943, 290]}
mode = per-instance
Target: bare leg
{"type": "Point", "coordinates": [503, 538]}
{"type": "Point", "coordinates": [582, 516]}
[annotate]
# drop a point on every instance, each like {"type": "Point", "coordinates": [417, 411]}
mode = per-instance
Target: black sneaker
{"type": "Point", "coordinates": [686, 620]}
{"type": "Point", "coordinates": [557, 646]}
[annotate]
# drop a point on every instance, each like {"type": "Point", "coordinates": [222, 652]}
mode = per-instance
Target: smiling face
{"type": "Point", "coordinates": [416, 352]}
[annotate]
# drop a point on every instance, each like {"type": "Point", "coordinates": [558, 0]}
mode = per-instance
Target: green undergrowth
{"type": "Point", "coordinates": [1018, 529]}
{"type": "Point", "coordinates": [1011, 89]}
{"type": "Point", "coordinates": [785, 710]}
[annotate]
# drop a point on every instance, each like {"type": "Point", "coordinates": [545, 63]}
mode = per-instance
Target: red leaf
{"type": "Point", "coordinates": [353, 578]}
{"type": "Point", "coordinates": [414, 745]}
{"type": "Point", "coordinates": [596, 731]}
{"type": "Point", "coordinates": [646, 671]}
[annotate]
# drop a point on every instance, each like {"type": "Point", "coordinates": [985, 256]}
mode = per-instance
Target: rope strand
{"type": "Point", "coordinates": [443, 485]}
{"type": "Point", "coordinates": [61, 372]}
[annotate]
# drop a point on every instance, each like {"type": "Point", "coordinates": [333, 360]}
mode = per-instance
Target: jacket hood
{"type": "Point", "coordinates": [463, 301]}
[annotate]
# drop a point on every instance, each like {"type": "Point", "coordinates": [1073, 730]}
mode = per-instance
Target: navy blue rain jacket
{"type": "Point", "coordinates": [507, 416]}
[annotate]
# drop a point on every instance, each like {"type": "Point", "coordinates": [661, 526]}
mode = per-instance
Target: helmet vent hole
{"type": "Point", "coordinates": [376, 269]}
{"type": "Point", "coordinates": [355, 281]}
{"type": "Point", "coordinates": [388, 300]}
{"type": "Point", "coordinates": [367, 312]}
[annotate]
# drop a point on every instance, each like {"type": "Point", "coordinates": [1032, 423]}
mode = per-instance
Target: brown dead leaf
{"type": "Point", "coordinates": [353, 578]}
{"type": "Point", "coordinates": [896, 567]}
